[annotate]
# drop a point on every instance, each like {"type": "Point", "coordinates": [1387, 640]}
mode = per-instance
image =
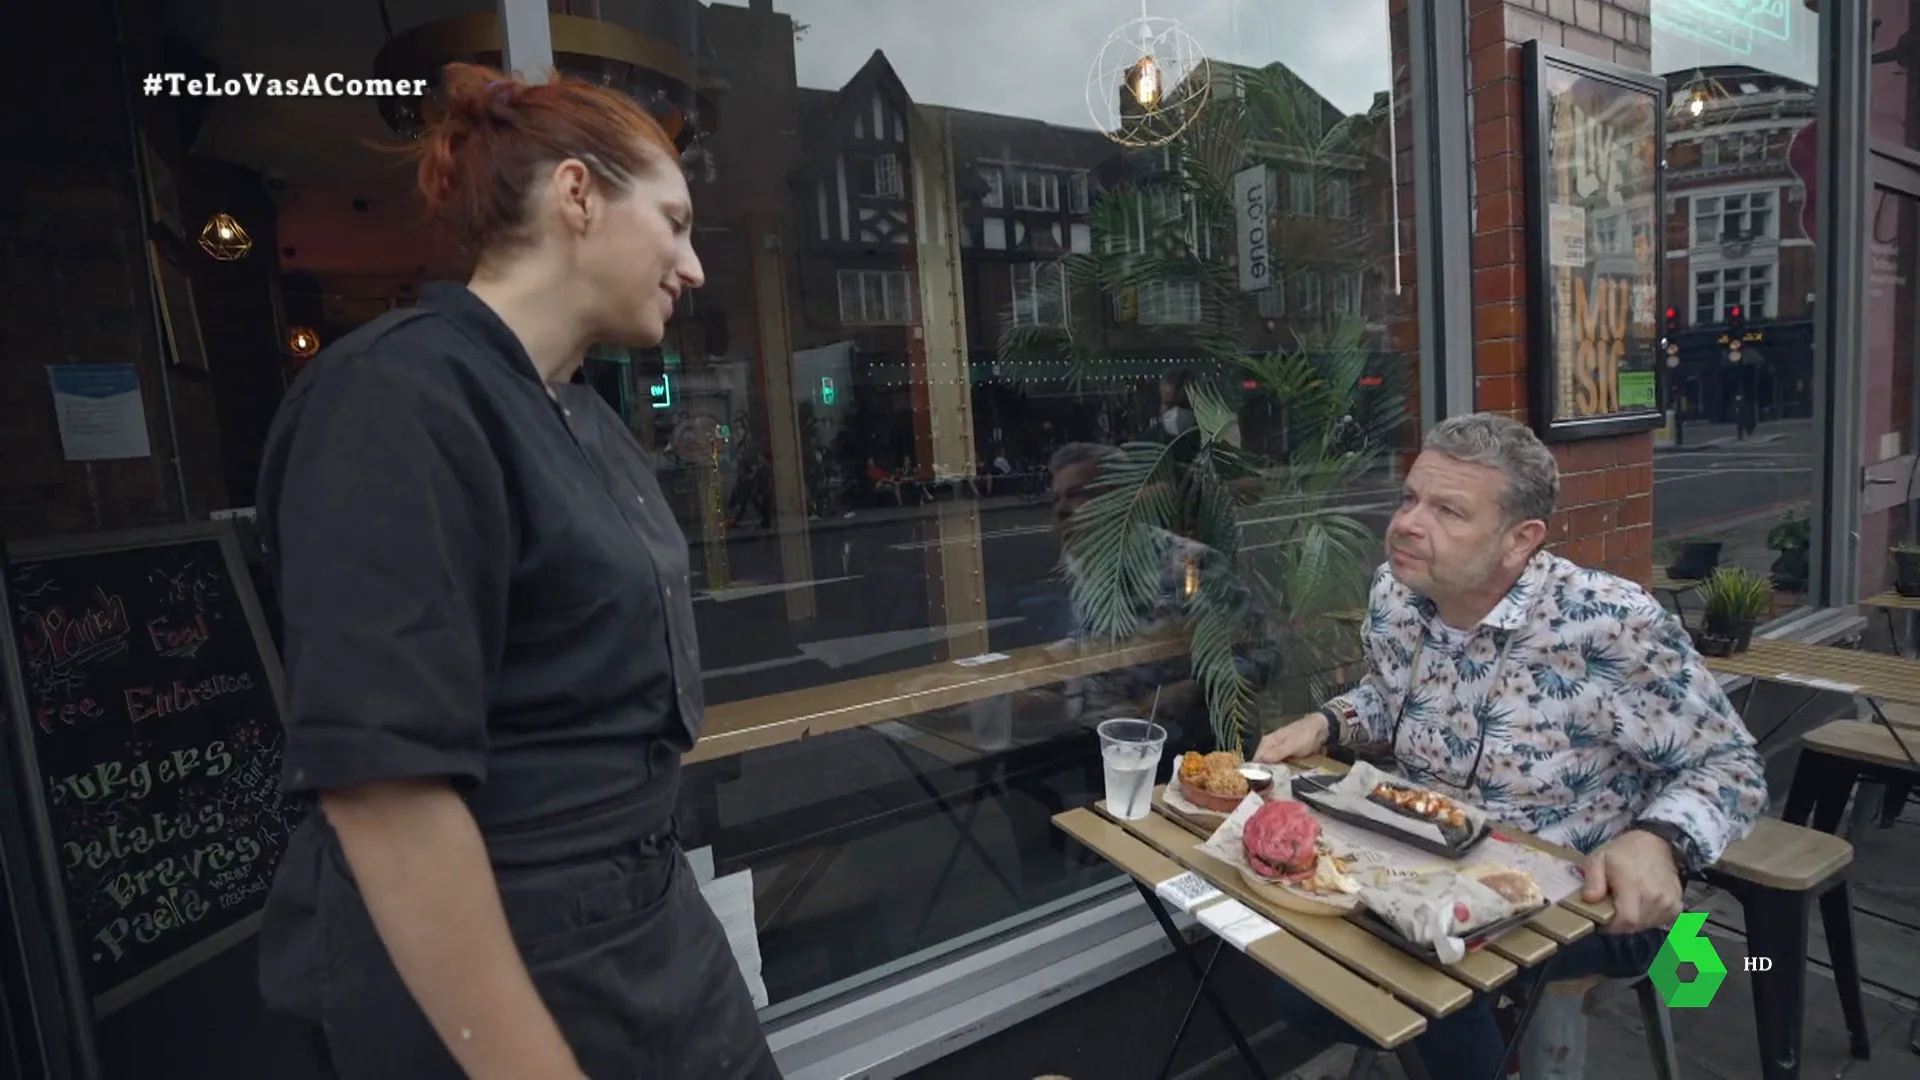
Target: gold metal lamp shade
{"type": "Point", "coordinates": [224, 239]}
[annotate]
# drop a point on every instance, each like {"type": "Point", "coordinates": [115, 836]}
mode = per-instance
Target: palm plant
{"type": "Point", "coordinates": [1267, 521]}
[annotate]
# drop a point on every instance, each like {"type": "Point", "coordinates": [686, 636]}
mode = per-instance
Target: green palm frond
{"type": "Point", "coordinates": [1279, 550]}
{"type": "Point", "coordinates": [1116, 546]}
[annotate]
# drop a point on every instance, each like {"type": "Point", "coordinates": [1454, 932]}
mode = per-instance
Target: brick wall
{"type": "Point", "coordinates": [1606, 499]}
{"type": "Point", "coordinates": [73, 269]}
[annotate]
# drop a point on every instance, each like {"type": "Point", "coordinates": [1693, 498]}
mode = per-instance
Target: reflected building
{"type": "Point", "coordinates": [1739, 245]}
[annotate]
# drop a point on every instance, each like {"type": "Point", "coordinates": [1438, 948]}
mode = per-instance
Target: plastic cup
{"type": "Point", "coordinates": [1130, 757]}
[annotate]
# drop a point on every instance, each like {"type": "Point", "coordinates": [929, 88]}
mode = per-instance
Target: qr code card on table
{"type": "Point", "coordinates": [1187, 891]}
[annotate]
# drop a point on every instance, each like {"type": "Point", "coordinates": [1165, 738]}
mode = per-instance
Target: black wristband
{"type": "Point", "coordinates": [1333, 728]}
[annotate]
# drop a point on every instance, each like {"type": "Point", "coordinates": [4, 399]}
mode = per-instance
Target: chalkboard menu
{"type": "Point", "coordinates": [153, 700]}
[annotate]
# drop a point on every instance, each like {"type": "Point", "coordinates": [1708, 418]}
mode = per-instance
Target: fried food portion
{"type": "Point", "coordinates": [1217, 773]}
{"type": "Point", "coordinates": [1435, 808]}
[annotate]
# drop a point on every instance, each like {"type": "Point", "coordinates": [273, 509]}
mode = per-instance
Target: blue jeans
{"type": "Point", "coordinates": [1467, 1044]}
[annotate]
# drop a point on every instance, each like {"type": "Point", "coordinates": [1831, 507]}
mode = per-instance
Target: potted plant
{"type": "Point", "coordinates": [1792, 538]}
{"type": "Point", "coordinates": [1735, 600]}
{"type": "Point", "coordinates": [1906, 563]}
{"type": "Point", "coordinates": [1693, 558]}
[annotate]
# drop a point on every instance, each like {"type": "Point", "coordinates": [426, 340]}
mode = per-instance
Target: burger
{"type": "Point", "coordinates": [1282, 842]}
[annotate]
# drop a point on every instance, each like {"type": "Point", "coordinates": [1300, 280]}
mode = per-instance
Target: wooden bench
{"type": "Point", "coordinates": [1778, 873]}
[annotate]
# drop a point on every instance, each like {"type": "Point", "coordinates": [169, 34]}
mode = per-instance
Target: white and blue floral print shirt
{"type": "Point", "coordinates": [1600, 715]}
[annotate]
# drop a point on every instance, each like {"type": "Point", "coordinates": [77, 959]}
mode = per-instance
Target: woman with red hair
{"type": "Point", "coordinates": [491, 661]}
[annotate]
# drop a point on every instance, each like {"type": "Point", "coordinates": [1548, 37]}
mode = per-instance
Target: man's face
{"type": "Point", "coordinates": [1072, 487]}
{"type": "Point", "coordinates": [1450, 536]}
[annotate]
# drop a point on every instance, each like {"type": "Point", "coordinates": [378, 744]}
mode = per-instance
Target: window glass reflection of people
{"type": "Point", "coordinates": [490, 649]}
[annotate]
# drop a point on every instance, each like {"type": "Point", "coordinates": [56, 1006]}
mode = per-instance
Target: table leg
{"type": "Point", "coordinates": [1760, 741]}
{"type": "Point", "coordinates": [1414, 1065]}
{"type": "Point", "coordinates": [1894, 803]}
{"type": "Point", "coordinates": [1836, 915]}
{"type": "Point", "coordinates": [965, 826]}
{"type": "Point", "coordinates": [1186, 1018]}
{"type": "Point", "coordinates": [1893, 731]}
{"type": "Point", "coordinates": [1659, 1024]}
{"type": "Point", "coordinates": [1777, 929]}
{"type": "Point", "coordinates": [1527, 1004]}
{"type": "Point", "coordinates": [1181, 946]}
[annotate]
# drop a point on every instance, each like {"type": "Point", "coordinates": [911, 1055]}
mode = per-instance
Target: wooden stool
{"type": "Point", "coordinates": [1837, 757]}
{"type": "Point", "coordinates": [1778, 873]}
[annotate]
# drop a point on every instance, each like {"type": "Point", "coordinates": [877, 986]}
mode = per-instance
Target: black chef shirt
{"type": "Point", "coordinates": [479, 584]}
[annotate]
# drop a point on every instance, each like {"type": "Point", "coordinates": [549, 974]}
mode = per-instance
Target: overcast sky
{"type": "Point", "coordinates": [1031, 58]}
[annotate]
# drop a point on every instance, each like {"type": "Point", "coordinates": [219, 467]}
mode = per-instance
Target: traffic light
{"type": "Point", "coordinates": [1736, 322]}
{"type": "Point", "coordinates": [1673, 321]}
{"type": "Point", "coordinates": [827, 394]}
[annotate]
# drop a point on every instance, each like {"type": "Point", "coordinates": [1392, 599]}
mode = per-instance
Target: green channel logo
{"type": "Point", "coordinates": [1684, 945]}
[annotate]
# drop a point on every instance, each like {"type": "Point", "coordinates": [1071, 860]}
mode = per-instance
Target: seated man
{"type": "Point", "coordinates": [1564, 700]}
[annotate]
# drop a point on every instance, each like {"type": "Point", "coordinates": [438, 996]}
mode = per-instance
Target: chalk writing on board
{"type": "Point", "coordinates": [158, 741]}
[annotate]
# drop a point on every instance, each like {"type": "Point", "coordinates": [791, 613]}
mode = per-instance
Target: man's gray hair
{"type": "Point", "coordinates": [1533, 477]}
{"type": "Point", "coordinates": [1085, 453]}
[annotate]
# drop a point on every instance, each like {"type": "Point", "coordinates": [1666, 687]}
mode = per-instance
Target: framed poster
{"type": "Point", "coordinates": [1595, 213]}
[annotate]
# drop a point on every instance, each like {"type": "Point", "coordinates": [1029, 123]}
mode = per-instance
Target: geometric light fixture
{"type": "Point", "coordinates": [302, 342]}
{"type": "Point", "coordinates": [1150, 79]}
{"type": "Point", "coordinates": [224, 239]}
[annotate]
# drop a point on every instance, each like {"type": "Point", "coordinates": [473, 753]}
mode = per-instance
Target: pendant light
{"type": "Point", "coordinates": [224, 239]}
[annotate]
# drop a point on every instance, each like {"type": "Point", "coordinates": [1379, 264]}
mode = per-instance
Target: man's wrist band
{"type": "Point", "coordinates": [1333, 726]}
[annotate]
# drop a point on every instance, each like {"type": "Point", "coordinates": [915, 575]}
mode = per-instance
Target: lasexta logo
{"type": "Point", "coordinates": [1684, 945]}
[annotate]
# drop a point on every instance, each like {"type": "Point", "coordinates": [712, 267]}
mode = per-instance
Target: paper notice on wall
{"type": "Point", "coordinates": [99, 411]}
{"type": "Point", "coordinates": [1567, 235]}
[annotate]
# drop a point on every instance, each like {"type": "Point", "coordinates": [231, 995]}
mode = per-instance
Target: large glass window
{"type": "Point", "coordinates": [892, 725]}
{"type": "Point", "coordinates": [1733, 470]}
{"type": "Point", "coordinates": [956, 258]}
{"type": "Point", "coordinates": [1891, 514]}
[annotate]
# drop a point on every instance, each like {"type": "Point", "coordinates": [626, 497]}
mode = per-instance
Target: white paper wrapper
{"type": "Point", "coordinates": [1350, 794]}
{"type": "Point", "coordinates": [1426, 910]}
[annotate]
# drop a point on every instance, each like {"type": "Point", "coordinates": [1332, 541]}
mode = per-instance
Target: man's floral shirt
{"type": "Point", "coordinates": [1602, 713]}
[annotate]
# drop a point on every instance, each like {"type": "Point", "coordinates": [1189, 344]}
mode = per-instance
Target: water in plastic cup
{"type": "Point", "coordinates": [1130, 755]}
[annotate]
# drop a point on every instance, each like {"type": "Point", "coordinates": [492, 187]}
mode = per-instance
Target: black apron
{"type": "Point", "coordinates": [624, 951]}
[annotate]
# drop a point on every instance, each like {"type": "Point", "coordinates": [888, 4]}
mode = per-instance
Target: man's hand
{"type": "Point", "coordinates": [1636, 870]}
{"type": "Point", "coordinates": [1296, 740]}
